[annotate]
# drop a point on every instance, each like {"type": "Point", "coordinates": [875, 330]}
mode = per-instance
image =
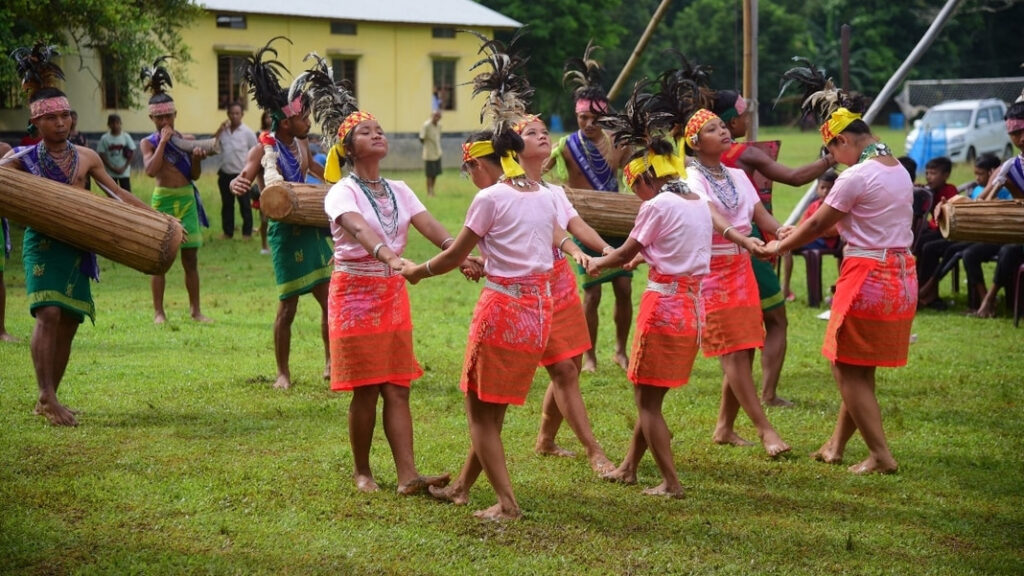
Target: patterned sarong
{"type": "Point", "coordinates": [569, 336]}
{"type": "Point", "coordinates": [667, 332]}
{"type": "Point", "coordinates": [180, 202]}
{"type": "Point", "coordinates": [54, 276]}
{"type": "Point", "coordinates": [302, 258]}
{"type": "Point", "coordinates": [873, 311]}
{"type": "Point", "coordinates": [507, 337]}
{"type": "Point", "coordinates": [370, 332]}
{"type": "Point", "coordinates": [732, 306]}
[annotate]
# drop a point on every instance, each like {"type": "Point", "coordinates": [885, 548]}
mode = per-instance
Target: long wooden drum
{"type": "Point", "coordinates": [994, 221]}
{"type": "Point", "coordinates": [142, 239]}
{"type": "Point", "coordinates": [295, 203]}
{"type": "Point", "coordinates": [609, 213]}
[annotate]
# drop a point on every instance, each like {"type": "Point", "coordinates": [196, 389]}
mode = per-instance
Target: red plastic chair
{"type": "Point", "coordinates": [812, 260]}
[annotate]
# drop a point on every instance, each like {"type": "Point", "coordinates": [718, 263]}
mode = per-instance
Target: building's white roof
{"type": "Point", "coordinates": [451, 12]}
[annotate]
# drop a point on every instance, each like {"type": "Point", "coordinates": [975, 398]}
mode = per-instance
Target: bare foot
{"type": "Point", "coordinates": [589, 364]}
{"type": "Point", "coordinates": [454, 494]}
{"type": "Point", "coordinates": [365, 483]}
{"type": "Point", "coordinates": [663, 490]}
{"type": "Point", "coordinates": [327, 372]}
{"type": "Point", "coordinates": [621, 359]}
{"type": "Point", "coordinates": [202, 319]}
{"type": "Point", "coordinates": [828, 454]}
{"type": "Point", "coordinates": [729, 437]}
{"type": "Point", "coordinates": [497, 513]}
{"type": "Point", "coordinates": [601, 464]}
{"type": "Point", "coordinates": [56, 413]}
{"type": "Point", "coordinates": [773, 444]}
{"type": "Point", "coordinates": [6, 337]}
{"type": "Point", "coordinates": [549, 448]}
{"type": "Point", "coordinates": [159, 318]}
{"type": "Point", "coordinates": [283, 382]}
{"type": "Point", "coordinates": [421, 483]}
{"type": "Point", "coordinates": [777, 401]}
{"type": "Point", "coordinates": [622, 475]}
{"type": "Point", "coordinates": [872, 466]}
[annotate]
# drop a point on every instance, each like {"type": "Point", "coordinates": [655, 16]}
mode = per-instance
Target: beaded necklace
{"type": "Point", "coordinates": [723, 187]}
{"type": "Point", "coordinates": [65, 164]}
{"type": "Point", "coordinates": [387, 212]}
{"type": "Point", "coordinates": [874, 149]}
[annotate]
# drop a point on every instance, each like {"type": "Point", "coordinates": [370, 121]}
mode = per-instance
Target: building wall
{"type": "Point", "coordinates": [394, 75]}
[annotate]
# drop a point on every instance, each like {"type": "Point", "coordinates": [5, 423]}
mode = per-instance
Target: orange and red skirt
{"type": "Point", "coordinates": [873, 310]}
{"type": "Point", "coordinates": [507, 338]}
{"type": "Point", "coordinates": [569, 335]}
{"type": "Point", "coordinates": [370, 331]}
{"type": "Point", "coordinates": [732, 306]}
{"type": "Point", "coordinates": [668, 331]}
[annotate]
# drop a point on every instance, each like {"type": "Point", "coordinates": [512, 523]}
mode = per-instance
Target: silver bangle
{"type": "Point", "coordinates": [429, 271]}
{"type": "Point", "coordinates": [725, 233]}
{"type": "Point", "coordinates": [376, 250]}
{"type": "Point", "coordinates": [560, 244]}
{"type": "Point", "coordinates": [447, 242]}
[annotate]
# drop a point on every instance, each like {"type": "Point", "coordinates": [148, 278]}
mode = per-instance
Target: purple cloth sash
{"type": "Point", "coordinates": [183, 162]}
{"type": "Point", "coordinates": [599, 174]}
{"type": "Point", "coordinates": [90, 265]}
{"type": "Point", "coordinates": [1016, 173]}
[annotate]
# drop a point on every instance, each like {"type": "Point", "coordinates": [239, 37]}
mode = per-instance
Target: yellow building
{"type": "Point", "coordinates": [399, 54]}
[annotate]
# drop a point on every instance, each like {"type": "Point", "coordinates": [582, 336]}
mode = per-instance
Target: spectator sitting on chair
{"type": "Point", "coordinates": [931, 245]}
{"type": "Point", "coordinates": [829, 240]}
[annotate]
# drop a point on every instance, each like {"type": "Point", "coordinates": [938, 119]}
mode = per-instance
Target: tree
{"type": "Point", "coordinates": [127, 33]}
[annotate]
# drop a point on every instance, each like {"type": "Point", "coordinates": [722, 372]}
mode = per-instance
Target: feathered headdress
{"type": "Point", "coordinates": [262, 77]}
{"type": "Point", "coordinates": [507, 92]}
{"type": "Point", "coordinates": [38, 72]}
{"type": "Point", "coordinates": [641, 126]}
{"type": "Point", "coordinates": [585, 75]}
{"type": "Point", "coordinates": [156, 79]}
{"type": "Point", "coordinates": [36, 68]}
{"type": "Point", "coordinates": [834, 109]}
{"type": "Point", "coordinates": [504, 84]}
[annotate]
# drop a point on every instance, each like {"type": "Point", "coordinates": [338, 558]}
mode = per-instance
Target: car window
{"type": "Point", "coordinates": [948, 118]}
{"type": "Point", "coordinates": [984, 117]}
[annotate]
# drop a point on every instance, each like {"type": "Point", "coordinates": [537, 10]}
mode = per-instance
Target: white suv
{"type": "Point", "coordinates": [972, 127]}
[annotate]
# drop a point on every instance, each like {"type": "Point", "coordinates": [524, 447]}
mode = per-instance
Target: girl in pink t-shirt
{"type": "Point", "coordinates": [732, 303]}
{"type": "Point", "coordinates": [673, 233]}
{"type": "Point", "coordinates": [514, 222]}
{"type": "Point", "coordinates": [876, 294]}
{"type": "Point", "coordinates": [369, 321]}
{"type": "Point", "coordinates": [569, 335]}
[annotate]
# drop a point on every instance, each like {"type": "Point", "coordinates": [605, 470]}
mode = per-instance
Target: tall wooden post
{"type": "Point", "coordinates": [750, 63]}
{"type": "Point", "coordinates": [640, 46]}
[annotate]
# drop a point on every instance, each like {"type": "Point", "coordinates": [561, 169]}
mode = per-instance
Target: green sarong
{"type": "Point", "coordinates": [181, 203]}
{"type": "Point", "coordinates": [303, 257]}
{"type": "Point", "coordinates": [53, 276]}
{"type": "Point", "coordinates": [606, 275]}
{"type": "Point", "coordinates": [767, 280]}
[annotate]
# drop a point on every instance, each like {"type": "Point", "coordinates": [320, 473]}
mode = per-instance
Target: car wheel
{"type": "Point", "coordinates": [1008, 152]}
{"type": "Point", "coordinates": [971, 155]}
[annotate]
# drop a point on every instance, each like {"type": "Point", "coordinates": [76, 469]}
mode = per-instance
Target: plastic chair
{"type": "Point", "coordinates": [812, 261]}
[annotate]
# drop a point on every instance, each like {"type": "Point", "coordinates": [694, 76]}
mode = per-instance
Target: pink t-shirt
{"type": "Point", "coordinates": [566, 210]}
{"type": "Point", "coordinates": [740, 216]}
{"type": "Point", "coordinates": [516, 229]}
{"type": "Point", "coordinates": [347, 196]}
{"type": "Point", "coordinates": [675, 233]}
{"type": "Point", "coordinates": [878, 203]}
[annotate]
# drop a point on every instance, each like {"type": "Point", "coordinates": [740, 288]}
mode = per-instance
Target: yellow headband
{"type": "Point", "coordinates": [336, 155]}
{"type": "Point", "coordinates": [479, 149]}
{"type": "Point", "coordinates": [836, 123]}
{"type": "Point", "coordinates": [663, 164]}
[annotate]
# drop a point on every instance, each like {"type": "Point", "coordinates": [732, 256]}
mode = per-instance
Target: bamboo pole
{"type": "Point", "coordinates": [641, 45]}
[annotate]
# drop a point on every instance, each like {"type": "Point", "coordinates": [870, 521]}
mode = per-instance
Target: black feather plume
{"type": "Point", "coordinates": [585, 75]}
{"type": "Point", "coordinates": [640, 121]}
{"type": "Point", "coordinates": [331, 101]}
{"type": "Point", "coordinates": [36, 68]}
{"type": "Point", "coordinates": [507, 89]}
{"type": "Point", "coordinates": [819, 92]}
{"type": "Point", "coordinates": [156, 79]}
{"type": "Point", "coordinates": [263, 77]}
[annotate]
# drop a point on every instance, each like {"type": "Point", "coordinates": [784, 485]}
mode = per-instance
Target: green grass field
{"type": "Point", "coordinates": [188, 462]}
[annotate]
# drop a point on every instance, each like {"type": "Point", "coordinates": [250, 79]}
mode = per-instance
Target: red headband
{"type": "Point", "coordinates": [162, 108]}
{"type": "Point", "coordinates": [585, 105]}
{"type": "Point", "coordinates": [351, 121]}
{"type": "Point", "coordinates": [294, 108]}
{"type": "Point", "coordinates": [1014, 124]}
{"type": "Point", "coordinates": [46, 106]}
